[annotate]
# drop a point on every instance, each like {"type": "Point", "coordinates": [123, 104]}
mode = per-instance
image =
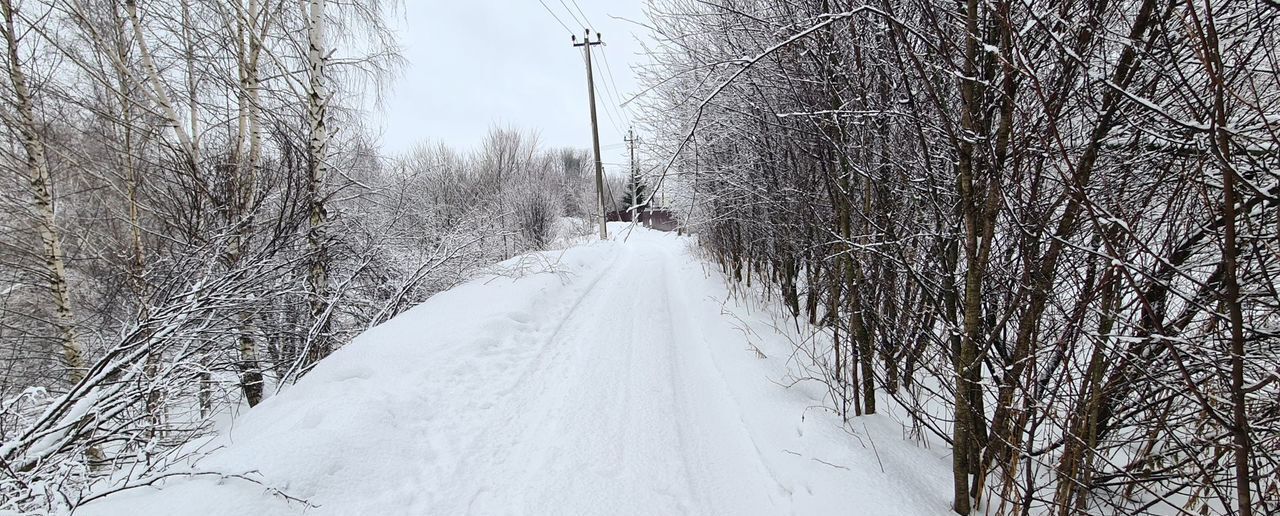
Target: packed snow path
{"type": "Point", "coordinates": [620, 382]}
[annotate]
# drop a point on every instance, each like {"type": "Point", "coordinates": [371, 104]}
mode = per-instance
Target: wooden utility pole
{"type": "Point", "coordinates": [635, 178]}
{"type": "Point", "coordinates": [586, 45]}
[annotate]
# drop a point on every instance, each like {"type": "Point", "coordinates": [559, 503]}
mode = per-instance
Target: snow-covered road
{"type": "Point", "coordinates": [622, 409]}
{"type": "Point", "coordinates": [620, 382]}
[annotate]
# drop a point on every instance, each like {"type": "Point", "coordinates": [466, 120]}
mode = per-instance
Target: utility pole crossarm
{"type": "Point", "coordinates": [586, 45]}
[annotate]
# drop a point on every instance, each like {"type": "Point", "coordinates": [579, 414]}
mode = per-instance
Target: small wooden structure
{"type": "Point", "coordinates": [659, 219]}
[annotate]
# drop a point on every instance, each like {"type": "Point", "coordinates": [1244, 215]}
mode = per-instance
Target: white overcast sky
{"type": "Point", "coordinates": [472, 64]}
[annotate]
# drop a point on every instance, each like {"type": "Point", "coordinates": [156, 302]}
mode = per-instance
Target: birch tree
{"type": "Point", "coordinates": [21, 115]}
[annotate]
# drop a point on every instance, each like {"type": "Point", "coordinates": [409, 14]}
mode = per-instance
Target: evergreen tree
{"type": "Point", "coordinates": [636, 194]}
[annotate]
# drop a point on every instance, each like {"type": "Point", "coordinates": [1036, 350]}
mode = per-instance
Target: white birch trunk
{"type": "Point", "coordinates": [160, 92]}
{"type": "Point", "coordinates": [318, 171]}
{"type": "Point", "coordinates": [41, 190]}
{"type": "Point", "coordinates": [246, 170]}
{"type": "Point", "coordinates": [138, 258]}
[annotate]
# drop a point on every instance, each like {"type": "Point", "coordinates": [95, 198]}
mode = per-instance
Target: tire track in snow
{"type": "Point", "coordinates": [496, 397]}
{"type": "Point", "coordinates": [696, 366]}
{"type": "Point", "coordinates": [599, 433]}
{"type": "Point", "coordinates": [539, 374]}
{"type": "Point", "coordinates": [547, 343]}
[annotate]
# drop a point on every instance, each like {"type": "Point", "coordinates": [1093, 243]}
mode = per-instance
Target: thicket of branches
{"type": "Point", "coordinates": [1047, 231]}
{"type": "Point", "coordinates": [192, 215]}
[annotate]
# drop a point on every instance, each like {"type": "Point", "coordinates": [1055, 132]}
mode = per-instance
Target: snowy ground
{"type": "Point", "coordinates": [620, 383]}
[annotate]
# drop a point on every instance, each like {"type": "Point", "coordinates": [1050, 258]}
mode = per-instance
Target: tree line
{"type": "Point", "coordinates": [1045, 232]}
{"type": "Point", "coordinates": [193, 214]}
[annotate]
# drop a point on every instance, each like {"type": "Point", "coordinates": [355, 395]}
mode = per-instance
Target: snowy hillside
{"type": "Point", "coordinates": [617, 382]}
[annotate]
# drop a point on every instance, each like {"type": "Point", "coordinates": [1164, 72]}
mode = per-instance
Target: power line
{"type": "Point", "coordinates": [553, 15]}
{"type": "Point", "coordinates": [613, 121]}
{"type": "Point", "coordinates": [617, 96]}
{"type": "Point", "coordinates": [617, 118]}
{"type": "Point", "coordinates": [608, 68]}
{"type": "Point", "coordinates": [571, 15]}
{"type": "Point", "coordinates": [616, 113]}
{"type": "Point", "coordinates": [608, 112]}
{"type": "Point", "coordinates": [575, 6]}
{"type": "Point", "coordinates": [613, 106]}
